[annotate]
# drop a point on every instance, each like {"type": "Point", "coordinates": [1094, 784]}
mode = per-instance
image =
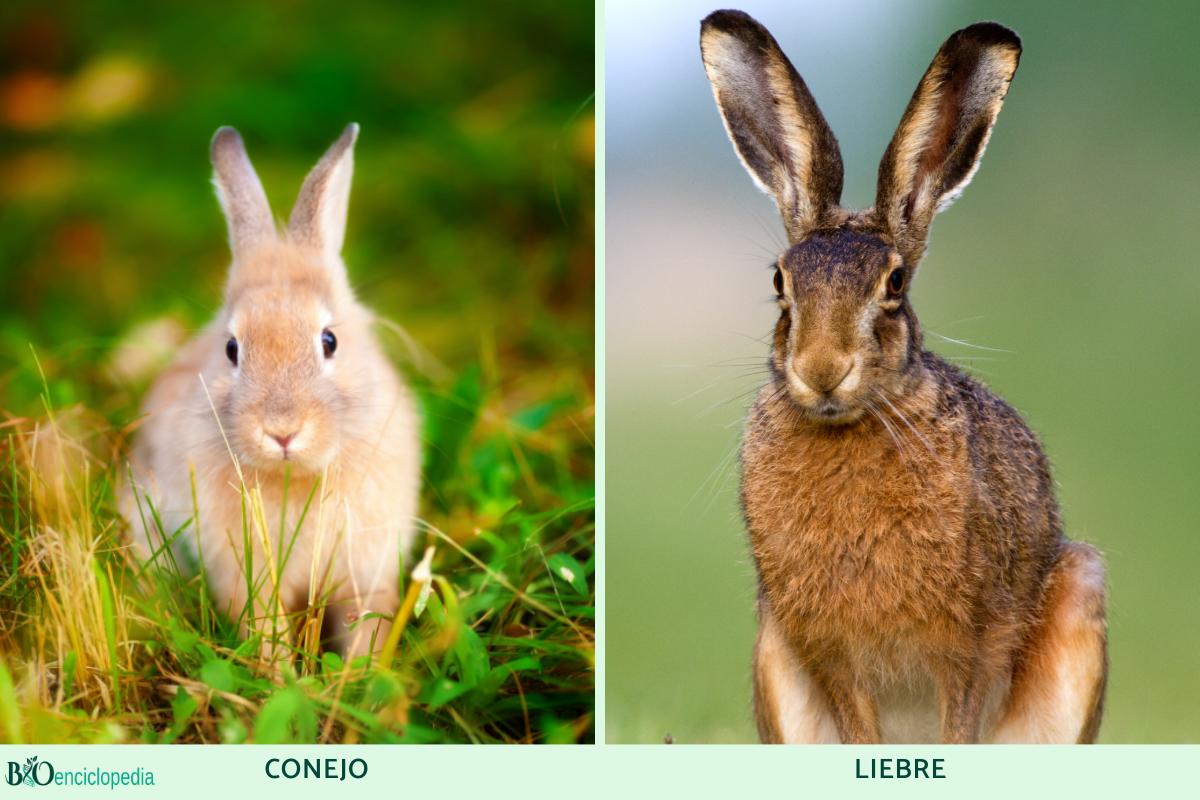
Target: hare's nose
{"type": "Point", "coordinates": [825, 375]}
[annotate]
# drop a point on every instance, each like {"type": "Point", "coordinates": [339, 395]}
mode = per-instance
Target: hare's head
{"type": "Point", "coordinates": [847, 330]}
{"type": "Point", "coordinates": [293, 362]}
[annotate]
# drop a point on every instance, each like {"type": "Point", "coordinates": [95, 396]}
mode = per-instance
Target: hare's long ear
{"type": "Point", "coordinates": [319, 218]}
{"type": "Point", "coordinates": [944, 130]}
{"type": "Point", "coordinates": [240, 192]}
{"type": "Point", "coordinates": [774, 123]}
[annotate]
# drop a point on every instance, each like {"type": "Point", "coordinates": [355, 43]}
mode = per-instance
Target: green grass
{"type": "Point", "coordinates": [498, 646]}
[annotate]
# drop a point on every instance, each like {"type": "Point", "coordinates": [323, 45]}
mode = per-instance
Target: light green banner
{"type": "Point", "coordinates": [601, 771]}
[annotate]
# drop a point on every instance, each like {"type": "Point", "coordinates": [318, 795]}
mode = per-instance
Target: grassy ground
{"type": "Point", "coordinates": [470, 224]}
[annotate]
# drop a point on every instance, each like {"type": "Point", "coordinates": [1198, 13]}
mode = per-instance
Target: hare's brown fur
{"type": "Point", "coordinates": [902, 518]}
{"type": "Point", "coordinates": [884, 559]}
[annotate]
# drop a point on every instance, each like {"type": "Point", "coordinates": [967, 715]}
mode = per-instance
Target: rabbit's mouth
{"type": "Point", "coordinates": [304, 463]}
{"type": "Point", "coordinates": [293, 447]}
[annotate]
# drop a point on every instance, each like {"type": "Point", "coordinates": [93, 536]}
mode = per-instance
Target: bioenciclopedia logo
{"type": "Point", "coordinates": [34, 772]}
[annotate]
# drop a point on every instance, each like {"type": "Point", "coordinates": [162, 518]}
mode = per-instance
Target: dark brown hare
{"type": "Point", "coordinates": [914, 580]}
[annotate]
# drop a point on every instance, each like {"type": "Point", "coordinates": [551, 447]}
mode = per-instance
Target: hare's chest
{"type": "Point", "coordinates": [854, 539]}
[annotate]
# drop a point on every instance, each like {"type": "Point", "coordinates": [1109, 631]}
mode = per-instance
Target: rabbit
{"type": "Point", "coordinates": [914, 581]}
{"type": "Point", "coordinates": [286, 396]}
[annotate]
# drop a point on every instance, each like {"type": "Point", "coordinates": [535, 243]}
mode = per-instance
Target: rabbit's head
{"type": "Point", "coordinates": [846, 330]}
{"type": "Point", "coordinates": [293, 365]}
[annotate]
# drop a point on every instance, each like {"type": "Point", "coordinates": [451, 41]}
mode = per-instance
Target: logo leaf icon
{"type": "Point", "coordinates": [29, 765]}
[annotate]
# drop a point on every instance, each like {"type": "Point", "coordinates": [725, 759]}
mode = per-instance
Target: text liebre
{"type": "Point", "coordinates": [903, 768]}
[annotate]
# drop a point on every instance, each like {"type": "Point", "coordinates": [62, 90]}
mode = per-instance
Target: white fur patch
{"type": "Point", "coordinates": [802, 712]}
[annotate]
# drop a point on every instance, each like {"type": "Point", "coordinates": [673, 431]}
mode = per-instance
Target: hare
{"type": "Point", "coordinates": [298, 435]}
{"type": "Point", "coordinates": [914, 580]}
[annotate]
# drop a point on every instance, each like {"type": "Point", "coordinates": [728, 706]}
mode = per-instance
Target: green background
{"type": "Point", "coordinates": [472, 201]}
{"type": "Point", "coordinates": [1073, 253]}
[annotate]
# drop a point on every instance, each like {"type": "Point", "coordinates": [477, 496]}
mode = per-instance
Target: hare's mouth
{"type": "Point", "coordinates": [830, 411]}
{"type": "Point", "coordinates": [833, 405]}
{"type": "Point", "coordinates": [826, 409]}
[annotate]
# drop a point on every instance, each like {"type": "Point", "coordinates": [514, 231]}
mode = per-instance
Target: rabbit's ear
{"type": "Point", "coordinates": [773, 121]}
{"type": "Point", "coordinates": [944, 130]}
{"type": "Point", "coordinates": [319, 218]}
{"type": "Point", "coordinates": [241, 193]}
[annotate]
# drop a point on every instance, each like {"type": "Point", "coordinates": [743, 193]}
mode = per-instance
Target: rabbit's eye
{"type": "Point", "coordinates": [328, 342]}
{"type": "Point", "coordinates": [896, 281]}
{"type": "Point", "coordinates": [778, 281]}
{"type": "Point", "coordinates": [231, 351]}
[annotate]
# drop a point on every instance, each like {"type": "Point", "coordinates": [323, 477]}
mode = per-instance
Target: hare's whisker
{"type": "Point", "coordinates": [965, 343]}
{"type": "Point", "coordinates": [717, 477]}
{"type": "Point", "coordinates": [900, 448]}
{"type": "Point", "coordinates": [904, 419]}
{"type": "Point", "coordinates": [695, 392]}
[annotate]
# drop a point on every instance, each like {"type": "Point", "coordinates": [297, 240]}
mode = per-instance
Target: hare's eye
{"type": "Point", "coordinates": [328, 342]}
{"type": "Point", "coordinates": [778, 281]}
{"type": "Point", "coordinates": [231, 351]}
{"type": "Point", "coordinates": [896, 281]}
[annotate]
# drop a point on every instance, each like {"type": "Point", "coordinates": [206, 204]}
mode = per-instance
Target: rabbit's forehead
{"type": "Point", "coordinates": [840, 260]}
{"type": "Point", "coordinates": [275, 314]}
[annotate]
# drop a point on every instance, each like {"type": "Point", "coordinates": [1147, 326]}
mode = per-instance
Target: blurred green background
{"type": "Point", "coordinates": [471, 215]}
{"type": "Point", "coordinates": [1073, 253]}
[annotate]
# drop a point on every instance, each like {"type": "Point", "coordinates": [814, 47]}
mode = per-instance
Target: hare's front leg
{"type": "Point", "coordinates": [789, 706]}
{"type": "Point", "coordinates": [1057, 693]}
{"type": "Point", "coordinates": [962, 690]}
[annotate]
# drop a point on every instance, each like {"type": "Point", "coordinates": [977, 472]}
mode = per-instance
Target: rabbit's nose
{"type": "Point", "coordinates": [284, 439]}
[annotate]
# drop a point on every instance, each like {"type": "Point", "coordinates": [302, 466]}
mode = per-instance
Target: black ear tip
{"type": "Point", "coordinates": [731, 21]}
{"type": "Point", "coordinates": [990, 34]}
{"type": "Point", "coordinates": [723, 17]}
{"type": "Point", "coordinates": [738, 24]}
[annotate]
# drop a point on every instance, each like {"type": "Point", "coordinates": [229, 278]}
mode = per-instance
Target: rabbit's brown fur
{"type": "Point", "coordinates": [902, 518]}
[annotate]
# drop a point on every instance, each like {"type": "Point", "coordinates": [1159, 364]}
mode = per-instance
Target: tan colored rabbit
{"type": "Point", "coordinates": [285, 391]}
{"type": "Point", "coordinates": [914, 580]}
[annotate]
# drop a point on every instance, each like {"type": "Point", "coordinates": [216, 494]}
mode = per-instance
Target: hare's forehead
{"type": "Point", "coordinates": [840, 259]}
